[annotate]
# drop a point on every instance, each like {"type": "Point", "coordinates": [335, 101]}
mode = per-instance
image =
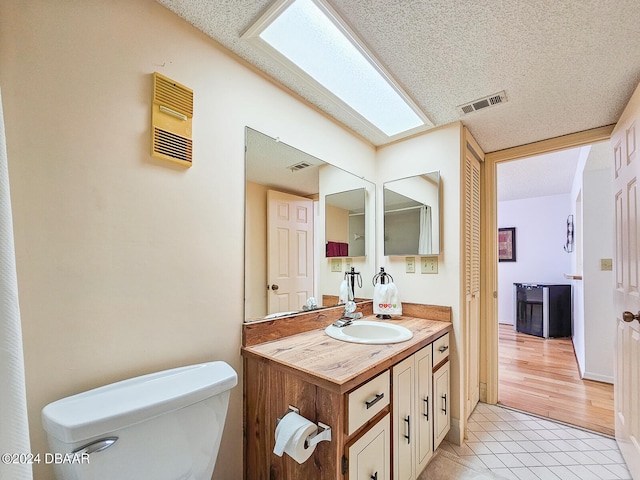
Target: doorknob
{"type": "Point", "coordinates": [630, 317]}
{"type": "Point", "coordinates": [274, 287]}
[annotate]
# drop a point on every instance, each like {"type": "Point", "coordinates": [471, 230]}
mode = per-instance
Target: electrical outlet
{"type": "Point", "coordinates": [411, 264]}
{"type": "Point", "coordinates": [348, 263]}
{"type": "Point", "coordinates": [336, 265]}
{"type": "Point", "coordinates": [606, 264]}
{"type": "Point", "coordinates": [429, 265]}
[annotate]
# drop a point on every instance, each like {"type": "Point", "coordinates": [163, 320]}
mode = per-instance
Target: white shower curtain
{"type": "Point", "coordinates": [424, 242]}
{"type": "Point", "coordinates": [14, 431]}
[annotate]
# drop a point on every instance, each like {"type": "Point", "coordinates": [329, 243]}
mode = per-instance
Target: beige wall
{"type": "Point", "coordinates": [337, 224]}
{"type": "Point", "coordinates": [438, 149]}
{"type": "Point", "coordinates": [127, 264]}
{"type": "Point", "coordinates": [335, 180]}
{"type": "Point", "coordinates": [255, 293]}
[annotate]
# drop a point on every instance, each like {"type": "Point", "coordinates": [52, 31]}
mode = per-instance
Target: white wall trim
{"type": "Point", "coordinates": [597, 377]}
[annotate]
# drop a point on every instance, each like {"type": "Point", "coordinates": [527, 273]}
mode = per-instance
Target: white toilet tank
{"type": "Point", "coordinates": [161, 426]}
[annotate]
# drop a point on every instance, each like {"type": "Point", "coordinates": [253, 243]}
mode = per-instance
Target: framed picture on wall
{"type": "Point", "coordinates": [507, 244]}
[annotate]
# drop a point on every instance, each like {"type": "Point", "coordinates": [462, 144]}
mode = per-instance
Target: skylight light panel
{"type": "Point", "coordinates": [306, 36]}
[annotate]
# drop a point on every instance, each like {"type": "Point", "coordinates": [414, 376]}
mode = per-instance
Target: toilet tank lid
{"type": "Point", "coordinates": [112, 407]}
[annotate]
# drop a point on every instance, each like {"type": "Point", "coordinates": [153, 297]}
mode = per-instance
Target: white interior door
{"type": "Point", "coordinates": [289, 251]}
{"type": "Point", "coordinates": [627, 284]}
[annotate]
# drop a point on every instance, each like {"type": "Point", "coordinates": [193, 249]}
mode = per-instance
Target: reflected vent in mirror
{"type": "Point", "coordinates": [171, 118]}
{"type": "Point", "coordinates": [298, 166]}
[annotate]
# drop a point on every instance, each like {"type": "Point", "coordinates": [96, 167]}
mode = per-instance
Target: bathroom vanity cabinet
{"type": "Point", "coordinates": [420, 396]}
{"type": "Point", "coordinates": [361, 391]}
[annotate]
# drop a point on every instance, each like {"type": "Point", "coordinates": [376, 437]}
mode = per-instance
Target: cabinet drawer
{"type": "Point", "coordinates": [366, 401]}
{"type": "Point", "coordinates": [440, 349]}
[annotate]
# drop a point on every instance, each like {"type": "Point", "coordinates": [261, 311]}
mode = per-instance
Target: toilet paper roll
{"type": "Point", "coordinates": [291, 433]}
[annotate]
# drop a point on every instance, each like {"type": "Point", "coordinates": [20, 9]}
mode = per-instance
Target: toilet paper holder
{"type": "Point", "coordinates": [322, 433]}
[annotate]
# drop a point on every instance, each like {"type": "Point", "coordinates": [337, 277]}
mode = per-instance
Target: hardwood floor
{"type": "Point", "coordinates": [541, 376]}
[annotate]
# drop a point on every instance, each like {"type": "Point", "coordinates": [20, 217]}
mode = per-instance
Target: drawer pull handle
{"type": "Point", "coordinates": [444, 397]}
{"type": "Point", "coordinates": [443, 349]}
{"type": "Point", "coordinates": [408, 435]}
{"type": "Point", "coordinates": [371, 403]}
{"type": "Point", "coordinates": [426, 408]}
{"type": "Point", "coordinates": [374, 476]}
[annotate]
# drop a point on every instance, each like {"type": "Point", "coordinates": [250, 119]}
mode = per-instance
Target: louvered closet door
{"type": "Point", "coordinates": [472, 276]}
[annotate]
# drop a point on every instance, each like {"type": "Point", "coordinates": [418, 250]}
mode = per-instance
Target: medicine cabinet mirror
{"type": "Point", "coordinates": [412, 215]}
{"type": "Point", "coordinates": [345, 223]}
{"type": "Point", "coordinates": [290, 201]}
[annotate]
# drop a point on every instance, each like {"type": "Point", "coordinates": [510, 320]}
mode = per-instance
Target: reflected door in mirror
{"type": "Point", "coordinates": [290, 251]}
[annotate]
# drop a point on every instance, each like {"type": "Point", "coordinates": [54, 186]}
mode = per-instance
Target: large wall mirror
{"type": "Point", "coordinates": [412, 215]}
{"type": "Point", "coordinates": [292, 202]}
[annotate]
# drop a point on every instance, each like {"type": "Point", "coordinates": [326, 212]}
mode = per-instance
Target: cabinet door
{"type": "Point", "coordinates": [423, 408]}
{"type": "Point", "coordinates": [369, 457]}
{"type": "Point", "coordinates": [403, 419]}
{"type": "Point", "coordinates": [441, 416]}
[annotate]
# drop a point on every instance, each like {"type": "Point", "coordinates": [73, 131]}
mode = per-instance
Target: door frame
{"type": "Point", "coordinates": [489, 243]}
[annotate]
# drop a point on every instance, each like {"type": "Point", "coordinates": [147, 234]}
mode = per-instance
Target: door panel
{"type": "Point", "coordinates": [424, 409]}
{"type": "Point", "coordinates": [403, 433]}
{"type": "Point", "coordinates": [626, 166]}
{"type": "Point", "coordinates": [472, 279]}
{"type": "Point", "coordinates": [369, 456]}
{"type": "Point", "coordinates": [441, 405]}
{"type": "Point", "coordinates": [289, 251]}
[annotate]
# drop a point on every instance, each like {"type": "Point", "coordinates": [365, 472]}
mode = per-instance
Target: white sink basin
{"type": "Point", "coordinates": [371, 332]}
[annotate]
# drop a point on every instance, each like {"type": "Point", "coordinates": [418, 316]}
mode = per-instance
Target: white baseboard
{"type": "Point", "coordinates": [597, 377]}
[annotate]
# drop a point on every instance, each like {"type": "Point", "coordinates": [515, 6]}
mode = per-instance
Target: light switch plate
{"type": "Point", "coordinates": [606, 264]}
{"type": "Point", "coordinates": [411, 264]}
{"type": "Point", "coordinates": [348, 263]}
{"type": "Point", "coordinates": [336, 264]}
{"type": "Point", "coordinates": [429, 264]}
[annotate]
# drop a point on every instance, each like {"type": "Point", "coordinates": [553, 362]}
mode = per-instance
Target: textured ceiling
{"type": "Point", "coordinates": [540, 176]}
{"type": "Point", "coordinates": [268, 163]}
{"type": "Point", "coordinates": [566, 66]}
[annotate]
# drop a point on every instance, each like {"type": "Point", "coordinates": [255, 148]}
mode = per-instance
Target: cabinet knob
{"type": "Point", "coordinates": [630, 317]}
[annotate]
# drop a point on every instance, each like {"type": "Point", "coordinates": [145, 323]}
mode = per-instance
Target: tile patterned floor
{"type": "Point", "coordinates": [524, 447]}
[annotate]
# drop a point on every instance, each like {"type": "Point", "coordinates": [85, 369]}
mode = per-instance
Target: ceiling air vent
{"type": "Point", "coordinates": [171, 118]}
{"type": "Point", "coordinates": [485, 102]}
{"type": "Point", "coordinates": [298, 166]}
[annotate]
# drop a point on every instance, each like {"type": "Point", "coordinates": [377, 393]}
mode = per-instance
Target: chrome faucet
{"type": "Point", "coordinates": [348, 315]}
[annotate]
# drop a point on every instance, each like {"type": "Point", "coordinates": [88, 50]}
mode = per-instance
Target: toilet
{"type": "Point", "coordinates": [162, 426]}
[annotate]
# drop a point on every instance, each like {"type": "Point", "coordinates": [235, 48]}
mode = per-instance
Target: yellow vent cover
{"type": "Point", "coordinates": [171, 115]}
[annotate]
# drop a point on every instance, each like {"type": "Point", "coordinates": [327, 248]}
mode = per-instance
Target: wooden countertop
{"type": "Point", "coordinates": [341, 366]}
